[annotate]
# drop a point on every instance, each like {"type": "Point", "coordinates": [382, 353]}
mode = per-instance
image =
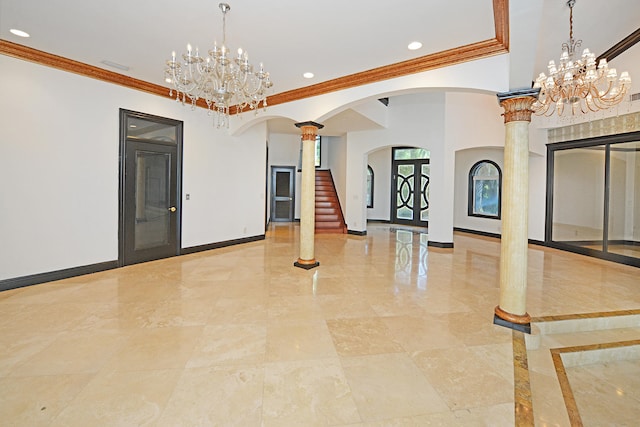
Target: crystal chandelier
{"type": "Point", "coordinates": [576, 84]}
{"type": "Point", "coordinates": [219, 79]}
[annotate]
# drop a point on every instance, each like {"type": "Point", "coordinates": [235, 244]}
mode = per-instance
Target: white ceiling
{"type": "Point", "coordinates": [331, 38]}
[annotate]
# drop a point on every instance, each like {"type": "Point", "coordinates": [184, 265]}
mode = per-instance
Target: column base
{"type": "Point", "coordinates": [307, 264]}
{"type": "Point", "coordinates": [516, 322]}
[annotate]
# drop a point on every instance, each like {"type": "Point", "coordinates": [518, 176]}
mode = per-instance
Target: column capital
{"type": "Point", "coordinates": [517, 104]}
{"type": "Point", "coordinates": [309, 130]}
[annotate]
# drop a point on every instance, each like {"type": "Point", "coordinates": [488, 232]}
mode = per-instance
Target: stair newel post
{"type": "Point", "coordinates": [307, 194]}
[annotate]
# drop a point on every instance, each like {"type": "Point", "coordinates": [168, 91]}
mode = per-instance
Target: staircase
{"type": "Point", "coordinates": [329, 217]}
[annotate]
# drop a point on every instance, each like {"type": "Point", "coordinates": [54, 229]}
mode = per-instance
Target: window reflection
{"type": "Point", "coordinates": [411, 258]}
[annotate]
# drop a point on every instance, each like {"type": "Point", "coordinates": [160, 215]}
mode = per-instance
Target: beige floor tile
{"type": "Point", "coordinates": [156, 349]}
{"type": "Point", "coordinates": [75, 352]}
{"type": "Point", "coordinates": [344, 306]}
{"type": "Point", "coordinates": [216, 396]}
{"type": "Point", "coordinates": [229, 345]}
{"type": "Point", "coordinates": [463, 380]}
{"type": "Point", "coordinates": [120, 399]}
{"type": "Point", "coordinates": [298, 340]}
{"type": "Point", "coordinates": [607, 394]}
{"type": "Point", "coordinates": [303, 308]}
{"type": "Point", "coordinates": [37, 400]}
{"type": "Point", "coordinates": [362, 336]}
{"type": "Point", "coordinates": [390, 386]}
{"type": "Point", "coordinates": [249, 309]}
{"type": "Point", "coordinates": [307, 393]}
{"type": "Point", "coordinates": [16, 347]}
{"type": "Point", "coordinates": [494, 416]}
{"type": "Point", "coordinates": [421, 333]}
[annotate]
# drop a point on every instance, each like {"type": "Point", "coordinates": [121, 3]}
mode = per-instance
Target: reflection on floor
{"type": "Point", "coordinates": [631, 250]}
{"type": "Point", "coordinates": [383, 332]}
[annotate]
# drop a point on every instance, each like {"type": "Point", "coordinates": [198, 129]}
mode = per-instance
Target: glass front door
{"type": "Point", "coordinates": [410, 198]}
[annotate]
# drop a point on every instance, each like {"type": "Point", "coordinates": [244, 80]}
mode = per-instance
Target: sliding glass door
{"type": "Point", "coordinates": [593, 202]}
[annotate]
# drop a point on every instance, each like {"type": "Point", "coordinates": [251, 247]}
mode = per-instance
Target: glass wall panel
{"type": "Point", "coordinates": [624, 200]}
{"type": "Point", "coordinates": [152, 226]}
{"type": "Point", "coordinates": [578, 197]}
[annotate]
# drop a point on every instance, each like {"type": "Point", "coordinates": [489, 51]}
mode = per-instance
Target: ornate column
{"type": "Point", "coordinates": [511, 312]}
{"type": "Point", "coordinates": [308, 195]}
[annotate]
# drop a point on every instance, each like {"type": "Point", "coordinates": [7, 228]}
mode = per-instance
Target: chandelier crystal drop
{"type": "Point", "coordinates": [576, 85]}
{"type": "Point", "coordinates": [220, 78]}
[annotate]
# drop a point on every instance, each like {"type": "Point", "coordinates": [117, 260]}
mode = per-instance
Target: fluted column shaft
{"type": "Point", "coordinates": [512, 311]}
{"type": "Point", "coordinates": [308, 196]}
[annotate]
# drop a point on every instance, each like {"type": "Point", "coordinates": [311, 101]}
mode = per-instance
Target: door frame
{"type": "Point", "coordinates": [292, 192]}
{"type": "Point", "coordinates": [124, 114]}
{"type": "Point", "coordinates": [417, 191]}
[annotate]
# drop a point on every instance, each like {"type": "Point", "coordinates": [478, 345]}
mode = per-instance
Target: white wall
{"type": "Point", "coordinates": [465, 159]}
{"type": "Point", "coordinates": [380, 162]}
{"type": "Point", "coordinates": [59, 143]}
{"type": "Point", "coordinates": [475, 127]}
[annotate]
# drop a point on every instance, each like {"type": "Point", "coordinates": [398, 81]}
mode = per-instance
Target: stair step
{"type": "Point", "coordinates": [327, 217]}
{"type": "Point", "coordinates": [326, 211]}
{"type": "Point", "coordinates": [329, 224]}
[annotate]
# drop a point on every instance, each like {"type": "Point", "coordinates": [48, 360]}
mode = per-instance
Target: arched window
{"type": "Point", "coordinates": [369, 187]}
{"type": "Point", "coordinates": [485, 189]}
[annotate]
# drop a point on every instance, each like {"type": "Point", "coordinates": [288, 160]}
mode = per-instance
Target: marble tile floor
{"type": "Point", "coordinates": [385, 332]}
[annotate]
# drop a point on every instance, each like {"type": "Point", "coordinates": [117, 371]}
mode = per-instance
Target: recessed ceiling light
{"type": "Point", "coordinates": [414, 45]}
{"type": "Point", "coordinates": [19, 33]}
{"type": "Point", "coordinates": [308, 75]}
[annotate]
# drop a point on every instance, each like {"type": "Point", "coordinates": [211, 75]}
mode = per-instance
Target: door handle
{"type": "Point", "coordinates": [172, 209]}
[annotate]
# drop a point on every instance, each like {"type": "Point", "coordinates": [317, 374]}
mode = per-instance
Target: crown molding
{"type": "Point", "coordinates": [482, 49]}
